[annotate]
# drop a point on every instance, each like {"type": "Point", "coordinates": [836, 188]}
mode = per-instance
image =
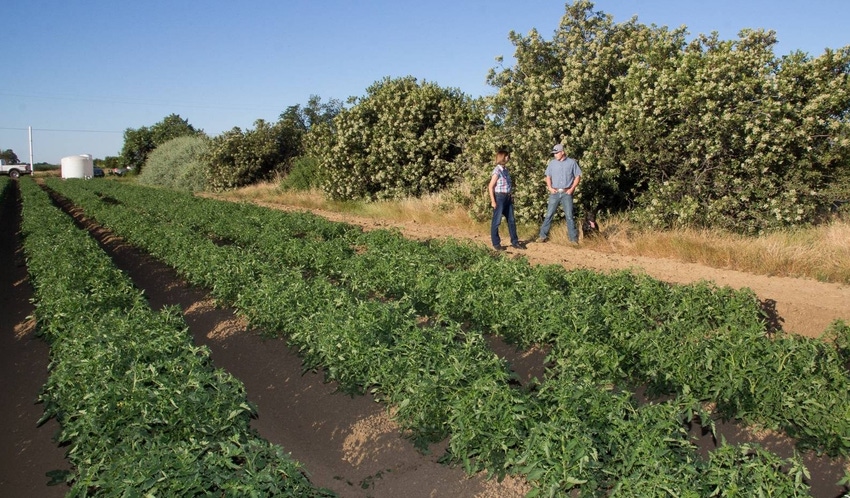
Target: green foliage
{"type": "Point", "coordinates": [737, 470]}
{"type": "Point", "coordinates": [400, 140]}
{"type": "Point", "coordinates": [108, 163]}
{"type": "Point", "coordinates": [710, 133]}
{"type": "Point", "coordinates": [9, 156]}
{"type": "Point", "coordinates": [178, 164]}
{"type": "Point", "coordinates": [5, 187]}
{"type": "Point", "coordinates": [754, 159]}
{"type": "Point", "coordinates": [838, 334]}
{"type": "Point", "coordinates": [142, 411]}
{"type": "Point", "coordinates": [406, 321]}
{"type": "Point", "coordinates": [303, 175]}
{"type": "Point", "coordinates": [45, 167]}
{"type": "Point", "coordinates": [558, 91]}
{"type": "Point", "coordinates": [238, 158]}
{"type": "Point", "coordinates": [139, 143]}
{"type": "Point", "coordinates": [301, 119]}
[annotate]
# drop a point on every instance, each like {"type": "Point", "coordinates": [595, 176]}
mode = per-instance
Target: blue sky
{"type": "Point", "coordinates": [80, 73]}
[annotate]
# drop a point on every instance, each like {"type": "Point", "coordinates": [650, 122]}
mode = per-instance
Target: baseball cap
{"type": "Point", "coordinates": [557, 148]}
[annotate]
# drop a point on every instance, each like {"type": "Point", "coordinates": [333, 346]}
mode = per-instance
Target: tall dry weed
{"type": "Point", "coordinates": [821, 253]}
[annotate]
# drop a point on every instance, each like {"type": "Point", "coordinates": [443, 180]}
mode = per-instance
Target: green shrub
{"type": "Point", "coordinates": [702, 133]}
{"type": "Point", "coordinates": [238, 158]}
{"type": "Point", "coordinates": [400, 140]}
{"type": "Point", "coordinates": [177, 164]}
{"type": "Point", "coordinates": [304, 174]}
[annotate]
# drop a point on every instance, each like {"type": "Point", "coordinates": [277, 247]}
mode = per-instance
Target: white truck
{"type": "Point", "coordinates": [14, 170]}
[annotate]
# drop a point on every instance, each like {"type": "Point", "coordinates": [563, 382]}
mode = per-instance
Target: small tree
{"type": "Point", "coordinates": [9, 156]}
{"type": "Point", "coordinates": [179, 164]}
{"type": "Point", "coordinates": [313, 114]}
{"type": "Point", "coordinates": [400, 140]}
{"type": "Point", "coordinates": [238, 158]}
{"type": "Point", "coordinates": [296, 122]}
{"type": "Point", "coordinates": [139, 143]}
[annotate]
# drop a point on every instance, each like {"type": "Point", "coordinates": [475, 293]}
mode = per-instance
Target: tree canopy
{"type": "Point", "coordinates": [139, 143]}
{"type": "Point", "coordinates": [701, 133]}
{"type": "Point", "coordinates": [401, 139]}
{"type": "Point", "coordinates": [237, 158]}
{"type": "Point", "coordinates": [9, 156]}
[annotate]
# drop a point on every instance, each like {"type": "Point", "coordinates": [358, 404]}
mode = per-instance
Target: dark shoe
{"type": "Point", "coordinates": [499, 248]}
{"type": "Point", "coordinates": [519, 246]}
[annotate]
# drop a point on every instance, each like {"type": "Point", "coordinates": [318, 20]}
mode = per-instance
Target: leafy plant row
{"type": "Point", "coordinates": [570, 431]}
{"type": "Point", "coordinates": [143, 412]}
{"type": "Point", "coordinates": [699, 339]}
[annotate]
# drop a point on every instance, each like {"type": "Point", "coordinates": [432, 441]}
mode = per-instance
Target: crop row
{"type": "Point", "coordinates": [143, 412]}
{"type": "Point", "coordinates": [355, 304]}
{"type": "Point", "coordinates": [696, 338]}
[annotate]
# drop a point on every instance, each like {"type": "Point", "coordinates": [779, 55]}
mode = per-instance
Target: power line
{"type": "Point", "coordinates": [60, 130]}
{"type": "Point", "coordinates": [133, 101]}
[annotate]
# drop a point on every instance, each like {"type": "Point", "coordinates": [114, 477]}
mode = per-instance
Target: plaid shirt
{"type": "Point", "coordinates": [503, 183]}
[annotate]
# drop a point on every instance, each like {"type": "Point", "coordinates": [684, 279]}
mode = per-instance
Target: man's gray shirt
{"type": "Point", "coordinates": [563, 173]}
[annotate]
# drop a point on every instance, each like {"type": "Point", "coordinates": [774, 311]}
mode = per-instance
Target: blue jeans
{"type": "Point", "coordinates": [504, 207]}
{"type": "Point", "coordinates": [566, 202]}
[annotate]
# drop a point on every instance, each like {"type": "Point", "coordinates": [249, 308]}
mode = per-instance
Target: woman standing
{"type": "Point", "coordinates": [501, 199]}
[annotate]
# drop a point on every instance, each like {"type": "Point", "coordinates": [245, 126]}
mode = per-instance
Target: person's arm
{"type": "Point", "coordinates": [574, 186]}
{"type": "Point", "coordinates": [492, 189]}
{"type": "Point", "coordinates": [548, 180]}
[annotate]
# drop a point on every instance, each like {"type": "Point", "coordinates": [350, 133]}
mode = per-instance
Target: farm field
{"type": "Point", "coordinates": [363, 454]}
{"type": "Point", "coordinates": [804, 306]}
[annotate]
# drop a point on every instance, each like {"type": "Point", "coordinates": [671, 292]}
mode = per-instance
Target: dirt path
{"type": "Point", "coordinates": [348, 444]}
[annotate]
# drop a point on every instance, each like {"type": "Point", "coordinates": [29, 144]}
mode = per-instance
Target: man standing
{"type": "Point", "coordinates": [562, 177]}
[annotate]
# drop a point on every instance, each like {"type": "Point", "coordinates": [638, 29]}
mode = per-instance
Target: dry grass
{"type": "Point", "coordinates": [821, 253]}
{"type": "Point", "coordinates": [428, 210]}
{"type": "Point", "coordinates": [48, 173]}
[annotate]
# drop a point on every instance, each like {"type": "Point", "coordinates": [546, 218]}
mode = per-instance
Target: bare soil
{"type": "Point", "coordinates": [347, 444]}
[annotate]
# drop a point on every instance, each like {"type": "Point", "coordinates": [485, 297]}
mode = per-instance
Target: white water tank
{"type": "Point", "coordinates": [81, 166]}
